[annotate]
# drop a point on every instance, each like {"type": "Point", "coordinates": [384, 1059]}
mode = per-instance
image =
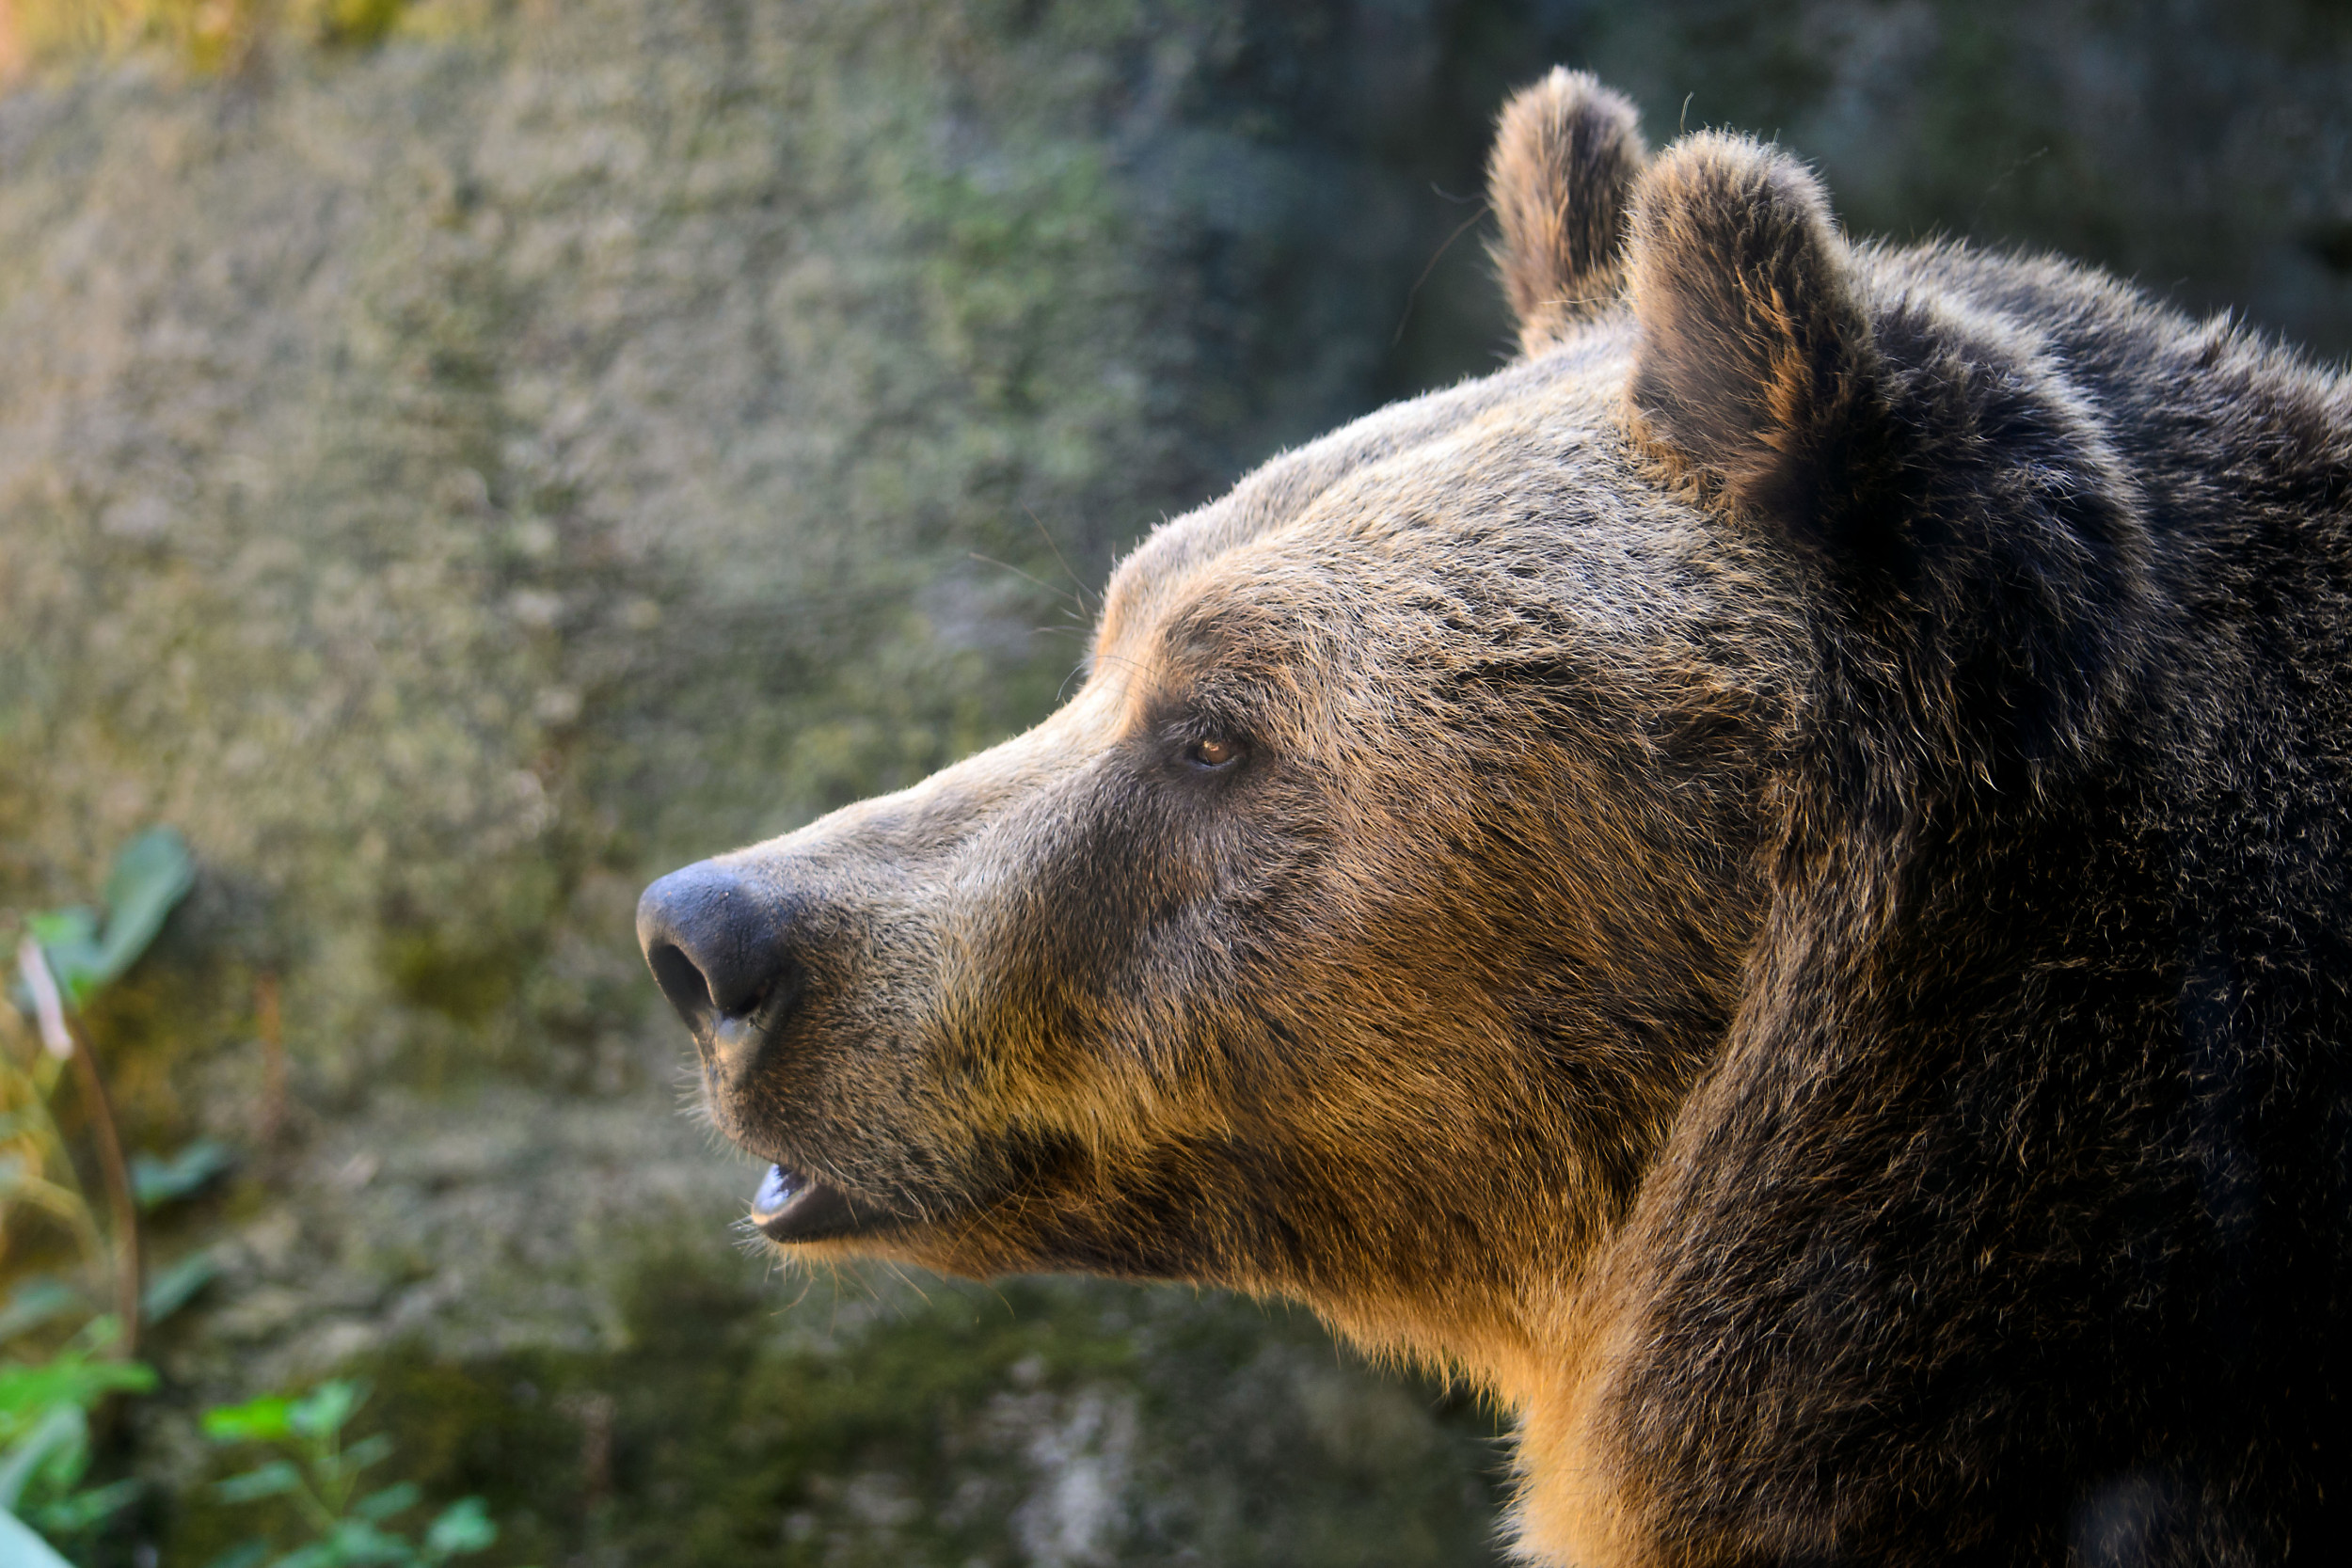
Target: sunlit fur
{"type": "Point", "coordinates": [1782, 908]}
{"type": "Point", "coordinates": [1567, 153]}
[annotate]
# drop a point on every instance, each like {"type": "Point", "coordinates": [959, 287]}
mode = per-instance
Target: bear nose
{"type": "Point", "coordinates": [720, 952]}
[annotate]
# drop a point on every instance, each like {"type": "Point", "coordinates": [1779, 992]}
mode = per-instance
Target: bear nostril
{"type": "Point", "coordinates": [721, 946]}
{"type": "Point", "coordinates": [683, 984]}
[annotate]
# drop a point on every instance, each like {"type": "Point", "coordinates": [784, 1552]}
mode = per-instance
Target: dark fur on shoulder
{"type": "Point", "coordinates": [1768, 885]}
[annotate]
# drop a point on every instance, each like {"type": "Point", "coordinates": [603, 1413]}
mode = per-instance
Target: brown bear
{"type": "Point", "coordinates": [1766, 884]}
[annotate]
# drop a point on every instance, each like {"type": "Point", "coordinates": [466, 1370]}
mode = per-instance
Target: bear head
{"type": "Point", "coordinates": [1357, 929]}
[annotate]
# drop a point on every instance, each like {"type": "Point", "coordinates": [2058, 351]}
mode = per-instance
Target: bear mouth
{"type": "Point", "coordinates": [790, 1207]}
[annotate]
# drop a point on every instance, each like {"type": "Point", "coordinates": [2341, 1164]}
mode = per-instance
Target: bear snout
{"type": "Point", "coordinates": [723, 953]}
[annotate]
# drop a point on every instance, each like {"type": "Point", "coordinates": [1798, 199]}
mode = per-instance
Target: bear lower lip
{"type": "Point", "coordinates": [790, 1207]}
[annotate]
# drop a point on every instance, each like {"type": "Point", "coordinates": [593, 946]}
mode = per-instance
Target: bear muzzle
{"type": "Point", "coordinates": [724, 953]}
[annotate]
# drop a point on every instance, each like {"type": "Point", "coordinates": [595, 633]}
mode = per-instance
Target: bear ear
{"type": "Point", "coordinates": [1755, 372]}
{"type": "Point", "coordinates": [1567, 153]}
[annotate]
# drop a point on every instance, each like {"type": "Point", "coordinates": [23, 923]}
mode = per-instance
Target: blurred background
{"type": "Point", "coordinates": [459, 459]}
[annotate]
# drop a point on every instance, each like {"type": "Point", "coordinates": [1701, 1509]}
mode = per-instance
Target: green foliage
{"type": "Point", "coordinates": [45, 1400]}
{"type": "Point", "coordinates": [152, 874]}
{"type": "Point", "coordinates": [89, 950]}
{"type": "Point", "coordinates": [157, 1181]}
{"type": "Point", "coordinates": [44, 1434]}
{"type": "Point", "coordinates": [29, 1394]}
{"type": "Point", "coordinates": [173, 1288]}
{"type": "Point", "coordinates": [320, 1476]}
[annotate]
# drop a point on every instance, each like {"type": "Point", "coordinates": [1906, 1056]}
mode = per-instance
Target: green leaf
{"type": "Point", "coordinates": [77, 1511]}
{"type": "Point", "coordinates": [93, 1336]}
{"type": "Point", "coordinates": [76, 927]}
{"type": "Point", "coordinates": [318, 1554]}
{"type": "Point", "coordinates": [273, 1480]}
{"type": "Point", "coordinates": [337, 1469]}
{"type": "Point", "coordinates": [21, 1548]}
{"type": "Point", "coordinates": [62, 1433]}
{"type": "Point", "coordinates": [323, 1411]}
{"type": "Point", "coordinates": [61, 1467]}
{"type": "Point", "coordinates": [246, 1554]}
{"type": "Point", "coordinates": [358, 1543]}
{"type": "Point", "coordinates": [69, 940]}
{"type": "Point", "coordinates": [177, 1286]}
{"type": "Point", "coordinates": [379, 1505]}
{"type": "Point", "coordinates": [263, 1420]}
{"type": "Point", "coordinates": [151, 874]}
{"type": "Point", "coordinates": [67, 1379]}
{"type": "Point", "coordinates": [370, 1451]}
{"type": "Point", "coordinates": [465, 1526]}
{"type": "Point", "coordinates": [39, 1300]}
{"type": "Point", "coordinates": [157, 1181]}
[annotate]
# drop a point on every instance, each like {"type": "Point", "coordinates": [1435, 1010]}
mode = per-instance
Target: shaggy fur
{"type": "Point", "coordinates": [1567, 153]}
{"type": "Point", "coordinates": [1766, 884]}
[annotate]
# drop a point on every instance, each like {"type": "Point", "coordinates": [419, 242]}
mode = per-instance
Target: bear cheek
{"type": "Point", "coordinates": [1026, 1035]}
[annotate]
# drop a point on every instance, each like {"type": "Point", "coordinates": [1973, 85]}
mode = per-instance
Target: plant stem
{"type": "Point", "coordinates": [75, 1044]}
{"type": "Point", "coordinates": [118, 1196]}
{"type": "Point", "coordinates": [323, 1518]}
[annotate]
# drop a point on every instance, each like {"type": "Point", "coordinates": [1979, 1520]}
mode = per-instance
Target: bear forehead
{"type": "Point", "coordinates": [1521, 484]}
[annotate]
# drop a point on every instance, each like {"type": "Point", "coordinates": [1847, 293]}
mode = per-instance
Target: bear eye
{"type": "Point", "coordinates": [1214, 753]}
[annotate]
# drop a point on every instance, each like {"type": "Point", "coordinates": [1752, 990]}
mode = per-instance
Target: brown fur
{"type": "Point", "coordinates": [1765, 883]}
{"type": "Point", "coordinates": [1567, 153]}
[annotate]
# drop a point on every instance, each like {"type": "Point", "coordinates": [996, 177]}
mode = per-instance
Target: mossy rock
{"type": "Point", "coordinates": [868, 1421]}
